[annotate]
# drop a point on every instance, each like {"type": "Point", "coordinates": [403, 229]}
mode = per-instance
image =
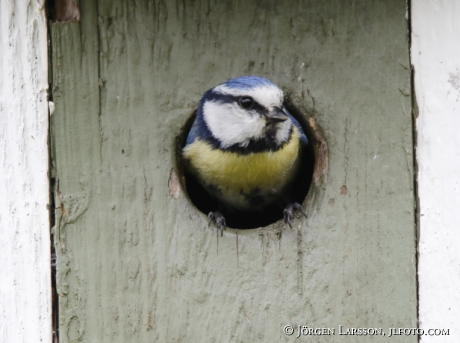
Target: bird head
{"type": "Point", "coordinates": [244, 110]}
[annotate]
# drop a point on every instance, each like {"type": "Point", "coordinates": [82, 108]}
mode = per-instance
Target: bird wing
{"type": "Point", "coordinates": [193, 133]}
{"type": "Point", "coordinates": [303, 138]}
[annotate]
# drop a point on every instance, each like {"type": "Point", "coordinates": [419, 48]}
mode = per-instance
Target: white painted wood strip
{"type": "Point", "coordinates": [435, 55]}
{"type": "Point", "coordinates": [25, 287]}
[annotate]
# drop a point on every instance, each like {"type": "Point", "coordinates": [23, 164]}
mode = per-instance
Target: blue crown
{"type": "Point", "coordinates": [248, 82]}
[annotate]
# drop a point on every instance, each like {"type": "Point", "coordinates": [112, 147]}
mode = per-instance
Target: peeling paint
{"type": "Point", "coordinates": [174, 184]}
{"type": "Point", "coordinates": [321, 154]}
{"type": "Point", "coordinates": [66, 11]}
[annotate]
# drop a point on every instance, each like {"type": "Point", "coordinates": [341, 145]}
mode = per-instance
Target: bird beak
{"type": "Point", "coordinates": [276, 115]}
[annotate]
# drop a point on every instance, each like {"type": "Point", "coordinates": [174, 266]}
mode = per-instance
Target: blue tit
{"type": "Point", "coordinates": [244, 152]}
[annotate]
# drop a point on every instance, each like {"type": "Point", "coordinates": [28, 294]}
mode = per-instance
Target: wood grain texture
{"type": "Point", "coordinates": [25, 263]}
{"type": "Point", "coordinates": [136, 264]}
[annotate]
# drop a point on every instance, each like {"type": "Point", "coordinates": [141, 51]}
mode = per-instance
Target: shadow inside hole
{"type": "Point", "coordinates": [299, 186]}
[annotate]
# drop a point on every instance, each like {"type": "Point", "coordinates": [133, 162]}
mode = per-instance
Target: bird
{"type": "Point", "coordinates": [246, 157]}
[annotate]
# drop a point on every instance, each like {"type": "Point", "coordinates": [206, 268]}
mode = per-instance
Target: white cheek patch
{"type": "Point", "coordinates": [282, 135]}
{"type": "Point", "coordinates": [230, 124]}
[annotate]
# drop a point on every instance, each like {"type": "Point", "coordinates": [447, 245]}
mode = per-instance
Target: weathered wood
{"type": "Point", "coordinates": [437, 89]}
{"type": "Point", "coordinates": [65, 11]}
{"type": "Point", "coordinates": [136, 264]}
{"type": "Point", "coordinates": [25, 280]}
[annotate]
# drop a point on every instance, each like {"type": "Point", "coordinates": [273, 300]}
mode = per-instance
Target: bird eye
{"type": "Point", "coordinates": [246, 102]}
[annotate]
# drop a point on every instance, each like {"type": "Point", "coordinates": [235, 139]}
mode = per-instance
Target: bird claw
{"type": "Point", "coordinates": [289, 212]}
{"type": "Point", "coordinates": [219, 219]}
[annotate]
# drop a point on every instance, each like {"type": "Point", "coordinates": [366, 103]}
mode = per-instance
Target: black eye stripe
{"type": "Point", "coordinates": [232, 99]}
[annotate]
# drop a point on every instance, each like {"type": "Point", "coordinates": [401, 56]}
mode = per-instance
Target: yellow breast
{"type": "Point", "coordinates": [231, 171]}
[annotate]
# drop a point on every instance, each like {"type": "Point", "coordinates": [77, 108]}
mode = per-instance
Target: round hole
{"type": "Point", "coordinates": [205, 203]}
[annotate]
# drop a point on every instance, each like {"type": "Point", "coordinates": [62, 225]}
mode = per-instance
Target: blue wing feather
{"type": "Point", "coordinates": [193, 134]}
{"type": "Point", "coordinates": [303, 138]}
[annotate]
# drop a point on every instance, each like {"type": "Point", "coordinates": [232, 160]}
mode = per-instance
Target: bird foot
{"type": "Point", "coordinates": [289, 212]}
{"type": "Point", "coordinates": [219, 219]}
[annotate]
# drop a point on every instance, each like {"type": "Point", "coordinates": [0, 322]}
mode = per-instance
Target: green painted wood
{"type": "Point", "coordinates": [136, 264]}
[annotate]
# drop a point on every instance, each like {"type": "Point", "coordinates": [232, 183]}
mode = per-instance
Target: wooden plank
{"type": "Point", "coordinates": [25, 287]}
{"type": "Point", "coordinates": [76, 157]}
{"type": "Point", "coordinates": [437, 88]}
{"type": "Point", "coordinates": [141, 265]}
